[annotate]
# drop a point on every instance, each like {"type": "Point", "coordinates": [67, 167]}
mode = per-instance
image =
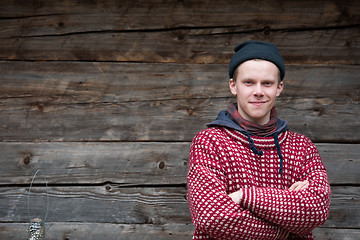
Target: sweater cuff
{"type": "Point", "coordinates": [248, 199]}
{"type": "Point", "coordinates": [282, 234]}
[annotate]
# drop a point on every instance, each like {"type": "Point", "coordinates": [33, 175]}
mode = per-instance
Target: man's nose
{"type": "Point", "coordinates": [258, 91]}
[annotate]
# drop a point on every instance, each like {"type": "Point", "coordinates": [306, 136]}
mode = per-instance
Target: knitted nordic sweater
{"type": "Point", "coordinates": [221, 162]}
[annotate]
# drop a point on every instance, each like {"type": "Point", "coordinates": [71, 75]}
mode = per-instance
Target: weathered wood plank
{"type": "Point", "coordinates": [56, 17]}
{"type": "Point", "coordinates": [168, 120]}
{"type": "Point", "coordinates": [24, 83]}
{"type": "Point", "coordinates": [120, 189]}
{"type": "Point", "coordinates": [97, 204]}
{"type": "Point", "coordinates": [185, 46]}
{"type": "Point", "coordinates": [95, 163]}
{"type": "Point", "coordinates": [344, 207]}
{"type": "Point", "coordinates": [123, 163]}
{"type": "Point", "coordinates": [342, 162]}
{"type": "Point", "coordinates": [112, 204]}
{"type": "Point", "coordinates": [336, 234]}
{"type": "Point", "coordinates": [83, 82]}
{"type": "Point", "coordinates": [313, 92]}
{"type": "Point", "coordinates": [95, 231]}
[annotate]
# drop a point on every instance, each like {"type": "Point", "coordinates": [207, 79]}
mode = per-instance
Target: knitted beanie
{"type": "Point", "coordinates": [256, 50]}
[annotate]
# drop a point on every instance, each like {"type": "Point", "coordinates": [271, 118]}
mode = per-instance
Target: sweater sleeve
{"type": "Point", "coordinates": [296, 211]}
{"type": "Point", "coordinates": [213, 211]}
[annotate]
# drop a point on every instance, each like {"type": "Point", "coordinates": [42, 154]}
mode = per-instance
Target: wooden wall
{"type": "Point", "coordinates": [105, 97]}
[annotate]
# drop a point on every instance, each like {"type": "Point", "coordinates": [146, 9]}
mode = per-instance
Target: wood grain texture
{"type": "Point", "coordinates": [170, 120]}
{"type": "Point", "coordinates": [97, 204]}
{"type": "Point", "coordinates": [96, 231]}
{"type": "Point", "coordinates": [106, 96]}
{"type": "Point", "coordinates": [184, 46]}
{"type": "Point", "coordinates": [135, 163]}
{"type": "Point", "coordinates": [58, 17]}
{"type": "Point", "coordinates": [156, 102]}
{"type": "Point", "coordinates": [138, 205]}
{"type": "Point", "coordinates": [95, 163]}
{"type": "Point", "coordinates": [176, 231]}
{"type": "Point", "coordinates": [23, 83]}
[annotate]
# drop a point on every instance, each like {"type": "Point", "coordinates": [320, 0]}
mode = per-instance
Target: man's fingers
{"type": "Point", "coordinates": [299, 185]}
{"type": "Point", "coordinates": [295, 186]}
{"type": "Point", "coordinates": [236, 196]}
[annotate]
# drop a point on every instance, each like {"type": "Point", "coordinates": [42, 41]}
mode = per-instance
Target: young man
{"type": "Point", "coordinates": [249, 176]}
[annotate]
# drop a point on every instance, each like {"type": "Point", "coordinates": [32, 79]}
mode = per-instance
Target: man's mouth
{"type": "Point", "coordinates": [258, 103]}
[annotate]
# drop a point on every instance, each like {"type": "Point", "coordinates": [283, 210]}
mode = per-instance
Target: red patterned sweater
{"type": "Point", "coordinates": [221, 162]}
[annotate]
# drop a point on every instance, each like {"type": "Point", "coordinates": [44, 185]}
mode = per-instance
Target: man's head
{"type": "Point", "coordinates": [256, 72]}
{"type": "Point", "coordinates": [256, 50]}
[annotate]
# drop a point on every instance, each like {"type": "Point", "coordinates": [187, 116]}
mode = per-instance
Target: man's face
{"type": "Point", "coordinates": [256, 86]}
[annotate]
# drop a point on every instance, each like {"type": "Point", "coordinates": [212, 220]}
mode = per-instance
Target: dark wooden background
{"type": "Point", "coordinates": [105, 97]}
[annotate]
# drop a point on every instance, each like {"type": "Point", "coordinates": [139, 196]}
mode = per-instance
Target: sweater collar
{"type": "Point", "coordinates": [253, 128]}
{"type": "Point", "coordinates": [254, 142]}
{"type": "Point", "coordinates": [259, 142]}
{"type": "Point", "coordinates": [224, 120]}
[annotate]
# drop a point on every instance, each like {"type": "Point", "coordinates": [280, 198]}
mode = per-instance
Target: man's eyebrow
{"type": "Point", "coordinates": [251, 79]}
{"type": "Point", "coordinates": [246, 79]}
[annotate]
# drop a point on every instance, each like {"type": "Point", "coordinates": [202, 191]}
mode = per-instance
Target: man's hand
{"type": "Point", "coordinates": [236, 196]}
{"type": "Point", "coordinates": [299, 185]}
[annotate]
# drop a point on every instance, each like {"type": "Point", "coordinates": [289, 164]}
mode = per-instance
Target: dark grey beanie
{"type": "Point", "coordinates": [256, 50]}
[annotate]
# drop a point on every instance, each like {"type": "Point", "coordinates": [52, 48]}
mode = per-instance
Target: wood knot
{"type": "Point", "coordinates": [161, 165]}
{"type": "Point", "coordinates": [180, 35]}
{"type": "Point", "coordinates": [319, 111]}
{"type": "Point", "coordinates": [27, 159]}
{"type": "Point", "coordinates": [190, 112]}
{"type": "Point", "coordinates": [267, 31]}
{"type": "Point", "coordinates": [40, 106]}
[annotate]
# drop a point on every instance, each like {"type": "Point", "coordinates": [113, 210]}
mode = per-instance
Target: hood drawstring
{"type": "Point", "coordinates": [252, 146]}
{"type": "Point", "coordinates": [260, 153]}
{"type": "Point", "coordinates": [277, 144]}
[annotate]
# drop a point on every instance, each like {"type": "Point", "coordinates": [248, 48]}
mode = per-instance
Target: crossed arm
{"type": "Point", "coordinates": [217, 216]}
{"type": "Point", "coordinates": [255, 213]}
{"type": "Point", "coordinates": [297, 186]}
{"type": "Point", "coordinates": [297, 210]}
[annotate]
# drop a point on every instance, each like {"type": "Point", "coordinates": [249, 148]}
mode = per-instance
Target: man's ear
{"type": "Point", "coordinates": [232, 86]}
{"type": "Point", "coordinates": [279, 89]}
